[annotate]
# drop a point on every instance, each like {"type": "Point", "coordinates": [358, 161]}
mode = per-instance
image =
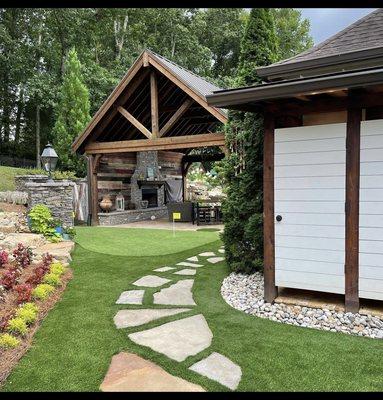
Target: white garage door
{"type": "Point", "coordinates": [310, 197]}
{"type": "Point", "coordinates": [371, 211]}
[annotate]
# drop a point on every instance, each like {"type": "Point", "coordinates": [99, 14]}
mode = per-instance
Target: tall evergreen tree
{"type": "Point", "coordinates": [244, 135]}
{"type": "Point", "coordinates": [73, 114]}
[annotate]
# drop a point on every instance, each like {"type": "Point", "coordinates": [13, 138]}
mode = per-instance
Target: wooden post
{"type": "Point", "coordinates": [93, 192]}
{"type": "Point", "coordinates": [354, 116]}
{"type": "Point", "coordinates": [270, 290]}
{"type": "Point", "coordinates": [154, 104]}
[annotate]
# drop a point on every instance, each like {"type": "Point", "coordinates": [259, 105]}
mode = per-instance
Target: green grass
{"type": "Point", "coordinates": [73, 348]}
{"type": "Point", "coordinates": [7, 174]}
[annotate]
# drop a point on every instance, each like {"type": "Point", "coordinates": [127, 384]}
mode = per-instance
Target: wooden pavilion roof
{"type": "Point", "coordinates": [157, 105]}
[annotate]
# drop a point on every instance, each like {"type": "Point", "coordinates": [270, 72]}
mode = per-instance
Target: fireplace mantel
{"type": "Point", "coordinates": [146, 182]}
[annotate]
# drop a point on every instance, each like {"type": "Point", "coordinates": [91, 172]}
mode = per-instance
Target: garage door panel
{"type": "Point", "coordinates": [323, 243]}
{"type": "Point", "coordinates": [336, 169]}
{"type": "Point", "coordinates": [308, 182]}
{"type": "Point", "coordinates": [320, 207]}
{"type": "Point", "coordinates": [319, 267]}
{"type": "Point", "coordinates": [306, 146]}
{"type": "Point", "coordinates": [309, 194]}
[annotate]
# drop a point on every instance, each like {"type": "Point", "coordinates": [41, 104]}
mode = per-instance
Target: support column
{"type": "Point", "coordinates": [354, 116]}
{"type": "Point", "coordinates": [93, 191]}
{"type": "Point", "coordinates": [270, 290]}
{"type": "Point", "coordinates": [154, 104]}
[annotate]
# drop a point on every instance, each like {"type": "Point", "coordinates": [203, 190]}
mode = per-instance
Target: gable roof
{"type": "Point", "coordinates": [364, 34]}
{"type": "Point", "coordinates": [195, 86]}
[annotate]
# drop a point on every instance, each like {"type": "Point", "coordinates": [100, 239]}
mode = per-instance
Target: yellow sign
{"type": "Point", "coordinates": [176, 215]}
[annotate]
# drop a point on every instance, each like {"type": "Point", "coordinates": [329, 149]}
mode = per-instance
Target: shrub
{"type": "Point", "coordinates": [47, 261]}
{"type": "Point", "coordinates": [52, 279]}
{"type": "Point", "coordinates": [8, 341]}
{"type": "Point", "coordinates": [9, 278]}
{"type": "Point", "coordinates": [24, 292]}
{"type": "Point", "coordinates": [42, 291]}
{"type": "Point", "coordinates": [3, 258]}
{"type": "Point", "coordinates": [41, 222]}
{"type": "Point", "coordinates": [57, 269]}
{"type": "Point", "coordinates": [28, 314]}
{"type": "Point", "coordinates": [17, 325]}
{"type": "Point", "coordinates": [22, 255]}
{"type": "Point", "coordinates": [30, 306]}
{"type": "Point", "coordinates": [4, 321]}
{"type": "Point", "coordinates": [37, 276]}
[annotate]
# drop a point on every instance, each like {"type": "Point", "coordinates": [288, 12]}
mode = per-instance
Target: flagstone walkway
{"type": "Point", "coordinates": [177, 339]}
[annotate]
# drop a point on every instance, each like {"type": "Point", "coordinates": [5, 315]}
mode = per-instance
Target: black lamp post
{"type": "Point", "coordinates": [49, 159]}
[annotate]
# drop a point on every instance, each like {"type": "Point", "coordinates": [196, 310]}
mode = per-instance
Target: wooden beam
{"type": "Point", "coordinates": [154, 104]}
{"type": "Point", "coordinates": [96, 163]}
{"type": "Point", "coordinates": [145, 59]}
{"type": "Point", "coordinates": [270, 290]}
{"type": "Point", "coordinates": [202, 157]}
{"type": "Point", "coordinates": [176, 116]}
{"type": "Point", "coordinates": [93, 192]}
{"type": "Point", "coordinates": [133, 121]}
{"type": "Point", "coordinates": [354, 116]}
{"type": "Point", "coordinates": [167, 143]}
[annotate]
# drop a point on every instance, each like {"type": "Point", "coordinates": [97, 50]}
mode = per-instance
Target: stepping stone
{"type": "Point", "coordinates": [186, 271]}
{"type": "Point", "coordinates": [188, 264]}
{"type": "Point", "coordinates": [177, 340]}
{"type": "Point", "coordinates": [178, 294]}
{"type": "Point", "coordinates": [129, 318]}
{"type": "Point", "coordinates": [151, 281]}
{"type": "Point", "coordinates": [222, 251]}
{"type": "Point", "coordinates": [215, 260]}
{"type": "Point", "coordinates": [131, 297]}
{"type": "Point", "coordinates": [193, 259]}
{"type": "Point", "coordinates": [207, 254]}
{"type": "Point", "coordinates": [219, 368]}
{"type": "Point", "coordinates": [130, 373]}
{"type": "Point", "coordinates": [163, 269]}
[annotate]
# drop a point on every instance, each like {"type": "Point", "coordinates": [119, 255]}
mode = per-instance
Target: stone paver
{"type": "Point", "coordinates": [188, 264]}
{"type": "Point", "coordinates": [130, 373]}
{"type": "Point", "coordinates": [129, 318]}
{"type": "Point", "coordinates": [192, 259]}
{"type": "Point", "coordinates": [178, 294]}
{"type": "Point", "coordinates": [177, 339]}
{"type": "Point", "coordinates": [163, 269]}
{"type": "Point", "coordinates": [219, 368]}
{"type": "Point", "coordinates": [186, 271]}
{"type": "Point", "coordinates": [151, 281]}
{"type": "Point", "coordinates": [214, 260]}
{"type": "Point", "coordinates": [131, 297]}
{"type": "Point", "coordinates": [207, 254]}
{"type": "Point", "coordinates": [222, 251]}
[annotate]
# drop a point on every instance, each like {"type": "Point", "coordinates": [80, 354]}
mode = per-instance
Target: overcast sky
{"type": "Point", "coordinates": [325, 22]}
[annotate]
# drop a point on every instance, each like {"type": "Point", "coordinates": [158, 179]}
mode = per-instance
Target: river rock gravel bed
{"type": "Point", "coordinates": [245, 293]}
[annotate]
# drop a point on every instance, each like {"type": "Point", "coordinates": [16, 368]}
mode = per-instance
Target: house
{"type": "Point", "coordinates": [138, 142]}
{"type": "Point", "coordinates": [323, 164]}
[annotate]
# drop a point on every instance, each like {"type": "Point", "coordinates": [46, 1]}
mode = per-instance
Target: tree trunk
{"type": "Point", "coordinates": [20, 107]}
{"type": "Point", "coordinates": [38, 161]}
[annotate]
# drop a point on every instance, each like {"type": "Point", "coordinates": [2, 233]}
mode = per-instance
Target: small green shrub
{"type": "Point", "coordinates": [31, 307]}
{"type": "Point", "coordinates": [8, 341]}
{"type": "Point", "coordinates": [41, 221]}
{"type": "Point", "coordinates": [42, 291]}
{"type": "Point", "coordinates": [28, 314]}
{"type": "Point", "coordinates": [52, 279]}
{"type": "Point", "coordinates": [57, 268]}
{"type": "Point", "coordinates": [17, 325]}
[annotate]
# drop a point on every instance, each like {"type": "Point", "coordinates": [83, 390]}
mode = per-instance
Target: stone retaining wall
{"type": "Point", "coordinates": [125, 217]}
{"type": "Point", "coordinates": [58, 196]}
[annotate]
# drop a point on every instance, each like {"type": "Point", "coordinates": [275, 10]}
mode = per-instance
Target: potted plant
{"type": "Point", "coordinates": [56, 223]}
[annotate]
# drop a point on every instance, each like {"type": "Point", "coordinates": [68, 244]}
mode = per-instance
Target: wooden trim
{"type": "Point", "coordinates": [135, 122]}
{"type": "Point", "coordinates": [354, 116]}
{"type": "Point", "coordinates": [145, 59]}
{"type": "Point", "coordinates": [202, 101]}
{"type": "Point", "coordinates": [268, 211]}
{"type": "Point", "coordinates": [167, 143]}
{"type": "Point", "coordinates": [93, 192]}
{"type": "Point", "coordinates": [154, 104]}
{"type": "Point", "coordinates": [176, 116]}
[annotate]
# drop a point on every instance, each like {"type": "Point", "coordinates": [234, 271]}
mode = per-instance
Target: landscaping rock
{"type": "Point", "coordinates": [129, 318]}
{"type": "Point", "coordinates": [222, 251]}
{"type": "Point", "coordinates": [192, 259]}
{"type": "Point", "coordinates": [60, 251]}
{"type": "Point", "coordinates": [32, 240]}
{"type": "Point", "coordinates": [188, 264]}
{"type": "Point", "coordinates": [130, 373]}
{"type": "Point", "coordinates": [186, 271]}
{"type": "Point", "coordinates": [214, 260]}
{"type": "Point", "coordinates": [131, 297]}
{"type": "Point", "coordinates": [178, 339]}
{"type": "Point", "coordinates": [163, 269]}
{"type": "Point", "coordinates": [151, 281]}
{"type": "Point", "coordinates": [178, 294]}
{"type": "Point", "coordinates": [219, 368]}
{"type": "Point", "coordinates": [207, 254]}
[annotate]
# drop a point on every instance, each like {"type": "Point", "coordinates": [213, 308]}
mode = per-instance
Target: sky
{"type": "Point", "coordinates": [325, 22]}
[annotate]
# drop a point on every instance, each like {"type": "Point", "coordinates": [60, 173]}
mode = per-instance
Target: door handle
{"type": "Point", "coordinates": [278, 218]}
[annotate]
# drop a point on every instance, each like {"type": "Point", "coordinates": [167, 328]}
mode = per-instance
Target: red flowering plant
{"type": "Point", "coordinates": [22, 255]}
{"type": "Point", "coordinates": [47, 261]}
{"type": "Point", "coordinates": [24, 292]}
{"type": "Point", "coordinates": [4, 321]}
{"type": "Point", "coordinates": [3, 258]}
{"type": "Point", "coordinates": [37, 275]}
{"type": "Point", "coordinates": [9, 278]}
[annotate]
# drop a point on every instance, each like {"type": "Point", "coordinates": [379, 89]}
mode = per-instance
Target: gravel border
{"type": "Point", "coordinates": [245, 293]}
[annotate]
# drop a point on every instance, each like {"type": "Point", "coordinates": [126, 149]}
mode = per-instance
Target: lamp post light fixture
{"type": "Point", "coordinates": [49, 159]}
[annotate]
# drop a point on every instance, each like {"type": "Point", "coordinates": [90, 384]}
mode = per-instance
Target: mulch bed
{"type": "Point", "coordinates": [9, 358]}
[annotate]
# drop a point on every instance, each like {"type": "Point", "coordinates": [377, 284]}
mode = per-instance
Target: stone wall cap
{"type": "Point", "coordinates": [50, 184]}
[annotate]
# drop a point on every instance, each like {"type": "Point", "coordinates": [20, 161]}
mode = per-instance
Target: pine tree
{"type": "Point", "coordinates": [72, 116]}
{"type": "Point", "coordinates": [242, 209]}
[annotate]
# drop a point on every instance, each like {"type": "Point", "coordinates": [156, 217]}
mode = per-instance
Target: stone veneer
{"type": "Point", "coordinates": [58, 196]}
{"type": "Point", "coordinates": [125, 217]}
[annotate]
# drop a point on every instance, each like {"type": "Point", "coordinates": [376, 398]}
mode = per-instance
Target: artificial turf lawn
{"type": "Point", "coordinates": [74, 346]}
